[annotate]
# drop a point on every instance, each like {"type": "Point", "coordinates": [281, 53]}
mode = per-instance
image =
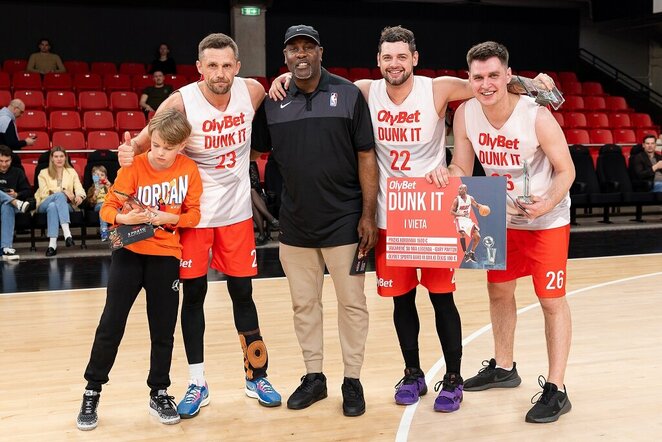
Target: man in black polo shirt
{"type": "Point", "coordinates": [322, 141]}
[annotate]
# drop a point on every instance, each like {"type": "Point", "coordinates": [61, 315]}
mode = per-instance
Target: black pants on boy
{"type": "Point", "coordinates": [130, 272]}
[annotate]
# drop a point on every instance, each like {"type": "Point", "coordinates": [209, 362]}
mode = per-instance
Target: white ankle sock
{"type": "Point", "coordinates": [196, 373]}
{"type": "Point", "coordinates": [65, 230]}
{"type": "Point", "coordinates": [504, 368]}
{"type": "Point", "coordinates": [52, 242]}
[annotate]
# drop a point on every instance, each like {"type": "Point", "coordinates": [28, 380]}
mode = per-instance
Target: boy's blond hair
{"type": "Point", "coordinates": [172, 126]}
{"type": "Point", "coordinates": [100, 168]}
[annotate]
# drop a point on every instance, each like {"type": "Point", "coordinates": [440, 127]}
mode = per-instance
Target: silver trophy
{"type": "Point", "coordinates": [542, 96]}
{"type": "Point", "coordinates": [488, 242]}
{"type": "Point", "coordinates": [526, 198]}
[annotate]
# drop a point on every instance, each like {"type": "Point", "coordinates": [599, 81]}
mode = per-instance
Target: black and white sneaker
{"type": "Point", "coordinates": [164, 407]}
{"type": "Point", "coordinates": [551, 403]}
{"type": "Point", "coordinates": [9, 254]}
{"type": "Point", "coordinates": [22, 206]}
{"type": "Point", "coordinates": [492, 377]}
{"type": "Point", "coordinates": [87, 417]}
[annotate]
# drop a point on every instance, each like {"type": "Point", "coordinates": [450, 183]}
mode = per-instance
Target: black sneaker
{"type": "Point", "coordinates": [353, 402]}
{"type": "Point", "coordinates": [311, 390]}
{"type": "Point", "coordinates": [87, 417]}
{"type": "Point", "coordinates": [492, 377]}
{"type": "Point", "coordinates": [551, 404]}
{"type": "Point", "coordinates": [164, 407]}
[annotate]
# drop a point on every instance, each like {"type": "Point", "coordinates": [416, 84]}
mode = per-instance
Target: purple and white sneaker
{"type": "Point", "coordinates": [410, 387]}
{"type": "Point", "coordinates": [450, 395]}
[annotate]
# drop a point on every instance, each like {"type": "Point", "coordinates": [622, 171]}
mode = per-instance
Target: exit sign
{"type": "Point", "coordinates": [250, 10]}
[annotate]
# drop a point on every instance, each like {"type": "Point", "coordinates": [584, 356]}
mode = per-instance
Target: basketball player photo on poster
{"type": "Point", "coordinates": [462, 225]}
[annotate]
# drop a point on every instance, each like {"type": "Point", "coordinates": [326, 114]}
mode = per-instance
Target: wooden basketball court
{"type": "Point", "coordinates": [613, 377]}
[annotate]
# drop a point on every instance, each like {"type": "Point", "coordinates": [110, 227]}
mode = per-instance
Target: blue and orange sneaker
{"type": "Point", "coordinates": [262, 390]}
{"type": "Point", "coordinates": [196, 397]}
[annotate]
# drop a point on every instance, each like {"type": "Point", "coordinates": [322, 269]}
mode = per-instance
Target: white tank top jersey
{"type": "Point", "coordinates": [463, 206]}
{"type": "Point", "coordinates": [409, 138]}
{"type": "Point", "coordinates": [502, 152]}
{"type": "Point", "coordinates": [220, 145]}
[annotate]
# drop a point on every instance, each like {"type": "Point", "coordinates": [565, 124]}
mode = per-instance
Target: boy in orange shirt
{"type": "Point", "coordinates": [169, 186]}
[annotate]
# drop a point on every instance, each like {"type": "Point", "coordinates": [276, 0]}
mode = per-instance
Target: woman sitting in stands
{"type": "Point", "coordinates": [59, 192]}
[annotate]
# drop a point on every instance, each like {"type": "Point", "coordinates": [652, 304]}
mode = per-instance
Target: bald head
{"type": "Point", "coordinates": [17, 107]}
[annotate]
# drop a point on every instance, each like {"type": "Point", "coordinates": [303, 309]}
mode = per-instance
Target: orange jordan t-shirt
{"type": "Point", "coordinates": [173, 190]}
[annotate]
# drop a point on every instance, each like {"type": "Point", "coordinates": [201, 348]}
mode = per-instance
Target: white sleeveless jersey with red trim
{"type": "Point", "coordinates": [463, 206]}
{"type": "Point", "coordinates": [410, 138]}
{"type": "Point", "coordinates": [503, 151]}
{"type": "Point", "coordinates": [220, 146]}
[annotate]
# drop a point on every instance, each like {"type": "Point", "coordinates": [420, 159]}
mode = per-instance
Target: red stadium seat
{"type": "Point", "coordinates": [262, 165]}
{"type": "Point", "coordinates": [32, 120]}
{"type": "Point", "coordinates": [567, 77]}
{"type": "Point", "coordinates": [176, 81]}
{"type": "Point", "coordinates": [617, 104]}
{"type": "Point", "coordinates": [30, 165]}
{"type": "Point", "coordinates": [5, 98]}
{"type": "Point", "coordinates": [641, 133]}
{"type": "Point", "coordinates": [359, 74]}
{"type": "Point", "coordinates": [150, 114]}
{"type": "Point", "coordinates": [446, 72]}
{"type": "Point", "coordinates": [376, 73]}
{"type": "Point", "coordinates": [576, 136]}
{"type": "Point", "coordinates": [188, 70]}
{"type": "Point", "coordinates": [131, 68]}
{"type": "Point", "coordinates": [26, 80]}
{"type": "Point", "coordinates": [121, 101]}
{"type": "Point", "coordinates": [601, 136]}
{"type": "Point", "coordinates": [60, 100]}
{"type": "Point", "coordinates": [573, 103]}
{"type": "Point", "coordinates": [641, 121]}
{"type": "Point", "coordinates": [92, 100]}
{"type": "Point", "coordinates": [624, 136]}
{"type": "Point", "coordinates": [426, 72]}
{"type": "Point", "coordinates": [5, 81]}
{"type": "Point", "coordinates": [117, 82]}
{"type": "Point", "coordinates": [572, 88]}
{"type": "Point", "coordinates": [592, 88]}
{"type": "Point", "coordinates": [64, 120]}
{"type": "Point", "coordinates": [32, 99]}
{"type": "Point", "coordinates": [103, 68]}
{"type": "Point", "coordinates": [597, 120]}
{"type": "Point", "coordinates": [283, 70]}
{"type": "Point", "coordinates": [88, 82]}
{"type": "Point", "coordinates": [594, 103]}
{"type": "Point", "coordinates": [619, 121]}
{"type": "Point", "coordinates": [75, 67]}
{"type": "Point", "coordinates": [69, 139]}
{"type": "Point", "coordinates": [14, 65]}
{"type": "Point", "coordinates": [98, 120]}
{"type": "Point", "coordinates": [462, 73]}
{"type": "Point", "coordinates": [528, 74]}
{"type": "Point", "coordinates": [130, 120]}
{"type": "Point", "coordinates": [339, 71]}
{"type": "Point", "coordinates": [559, 118]}
{"type": "Point", "coordinates": [575, 120]}
{"type": "Point", "coordinates": [42, 142]}
{"type": "Point", "coordinates": [56, 81]}
{"type": "Point", "coordinates": [140, 82]}
{"type": "Point", "coordinates": [79, 161]}
{"type": "Point", "coordinates": [102, 140]}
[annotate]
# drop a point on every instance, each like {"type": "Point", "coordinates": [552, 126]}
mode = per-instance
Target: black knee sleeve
{"type": "Point", "coordinates": [449, 329]}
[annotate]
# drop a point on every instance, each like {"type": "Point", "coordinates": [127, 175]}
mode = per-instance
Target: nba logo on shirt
{"type": "Point", "coordinates": [333, 100]}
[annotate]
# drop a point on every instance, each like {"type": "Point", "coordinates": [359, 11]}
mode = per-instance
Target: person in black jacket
{"type": "Point", "coordinates": [647, 165]}
{"type": "Point", "coordinates": [14, 190]}
{"type": "Point", "coordinates": [8, 132]}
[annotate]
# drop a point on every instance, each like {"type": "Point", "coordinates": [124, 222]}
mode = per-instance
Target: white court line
{"type": "Point", "coordinates": [410, 410]}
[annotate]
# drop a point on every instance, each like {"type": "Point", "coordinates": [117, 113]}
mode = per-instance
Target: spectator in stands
{"type": "Point", "coordinates": [647, 165]}
{"type": "Point", "coordinates": [59, 192]}
{"type": "Point", "coordinates": [260, 211]}
{"type": "Point", "coordinates": [153, 96]}
{"type": "Point", "coordinates": [14, 190]}
{"type": "Point", "coordinates": [164, 62]}
{"type": "Point", "coordinates": [96, 195]}
{"type": "Point", "coordinates": [45, 61]}
{"type": "Point", "coordinates": [8, 132]}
